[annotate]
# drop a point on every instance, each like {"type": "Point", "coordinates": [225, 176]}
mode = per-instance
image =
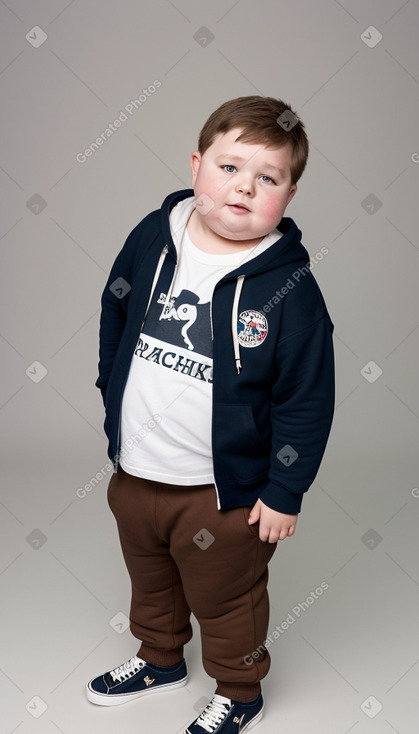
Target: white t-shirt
{"type": "Point", "coordinates": [167, 402]}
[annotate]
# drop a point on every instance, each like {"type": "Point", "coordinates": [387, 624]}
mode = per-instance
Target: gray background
{"type": "Point", "coordinates": [64, 589]}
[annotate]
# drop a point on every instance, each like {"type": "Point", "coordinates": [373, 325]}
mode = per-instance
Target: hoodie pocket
{"type": "Point", "coordinates": [239, 450]}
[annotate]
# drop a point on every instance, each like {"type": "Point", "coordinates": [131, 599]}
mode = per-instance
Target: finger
{"type": "Point", "coordinates": [254, 515]}
{"type": "Point", "coordinates": [263, 534]}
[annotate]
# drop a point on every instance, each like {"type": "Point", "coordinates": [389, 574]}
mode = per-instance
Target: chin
{"type": "Point", "coordinates": [236, 236]}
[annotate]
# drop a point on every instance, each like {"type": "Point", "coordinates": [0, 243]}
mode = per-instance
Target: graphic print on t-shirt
{"type": "Point", "coordinates": [182, 322]}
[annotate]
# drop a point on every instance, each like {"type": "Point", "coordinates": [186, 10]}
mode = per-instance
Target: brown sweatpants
{"type": "Point", "coordinates": [184, 555]}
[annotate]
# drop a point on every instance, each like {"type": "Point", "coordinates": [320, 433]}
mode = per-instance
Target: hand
{"type": "Point", "coordinates": [273, 525]}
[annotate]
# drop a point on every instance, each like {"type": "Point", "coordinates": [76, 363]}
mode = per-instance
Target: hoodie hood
{"type": "Point", "coordinates": [287, 249]}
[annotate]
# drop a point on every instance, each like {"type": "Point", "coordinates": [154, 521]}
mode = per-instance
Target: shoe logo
{"type": "Point", "coordinates": [238, 721]}
{"type": "Point", "coordinates": [148, 681]}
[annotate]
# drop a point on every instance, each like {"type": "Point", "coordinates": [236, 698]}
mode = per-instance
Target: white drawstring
{"type": "Point", "coordinates": [169, 291]}
{"type": "Point", "coordinates": [235, 321]}
{"type": "Point", "coordinates": [163, 254]}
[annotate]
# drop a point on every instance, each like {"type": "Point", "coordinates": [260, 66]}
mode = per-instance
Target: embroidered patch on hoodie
{"type": "Point", "coordinates": [252, 328]}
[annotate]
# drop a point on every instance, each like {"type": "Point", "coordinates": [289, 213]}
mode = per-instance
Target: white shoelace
{"type": "Point", "coordinates": [214, 713]}
{"type": "Point", "coordinates": [128, 669]}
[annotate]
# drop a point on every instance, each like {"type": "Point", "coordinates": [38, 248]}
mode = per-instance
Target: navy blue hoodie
{"type": "Point", "coordinates": [273, 387]}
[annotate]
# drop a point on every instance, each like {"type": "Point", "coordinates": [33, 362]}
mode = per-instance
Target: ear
{"type": "Point", "coordinates": [195, 163]}
{"type": "Point", "coordinates": [292, 192]}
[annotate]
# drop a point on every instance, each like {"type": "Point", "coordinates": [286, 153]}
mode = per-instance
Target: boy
{"type": "Point", "coordinates": [217, 375]}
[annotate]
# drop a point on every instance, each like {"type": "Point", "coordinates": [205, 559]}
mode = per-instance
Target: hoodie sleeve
{"type": "Point", "coordinates": [114, 305]}
{"type": "Point", "coordinates": [302, 409]}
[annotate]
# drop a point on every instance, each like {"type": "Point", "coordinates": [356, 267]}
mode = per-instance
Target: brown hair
{"type": "Point", "coordinates": [258, 118]}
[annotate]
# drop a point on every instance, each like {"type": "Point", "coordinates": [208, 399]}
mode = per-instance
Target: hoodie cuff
{"type": "Point", "coordinates": [281, 499]}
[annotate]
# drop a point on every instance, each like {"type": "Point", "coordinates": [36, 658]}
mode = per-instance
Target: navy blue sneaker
{"type": "Point", "coordinates": [224, 716]}
{"type": "Point", "coordinates": [134, 679]}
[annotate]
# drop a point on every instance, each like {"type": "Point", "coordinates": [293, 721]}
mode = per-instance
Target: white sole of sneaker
{"type": "Point", "coordinates": [254, 721]}
{"type": "Point", "coordinates": [106, 699]}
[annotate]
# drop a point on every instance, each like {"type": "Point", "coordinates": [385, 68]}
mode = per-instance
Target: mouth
{"type": "Point", "coordinates": [239, 207]}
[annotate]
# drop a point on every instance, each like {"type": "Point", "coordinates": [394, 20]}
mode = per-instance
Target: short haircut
{"type": "Point", "coordinates": [258, 118]}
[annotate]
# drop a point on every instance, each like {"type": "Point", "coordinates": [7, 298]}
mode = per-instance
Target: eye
{"type": "Point", "coordinates": [269, 179]}
{"type": "Point", "coordinates": [228, 166]}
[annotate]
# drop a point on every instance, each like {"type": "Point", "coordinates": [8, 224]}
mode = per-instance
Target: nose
{"type": "Point", "coordinates": [244, 183]}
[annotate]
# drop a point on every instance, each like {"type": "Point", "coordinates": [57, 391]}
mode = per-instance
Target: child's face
{"type": "Point", "coordinates": [231, 173]}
